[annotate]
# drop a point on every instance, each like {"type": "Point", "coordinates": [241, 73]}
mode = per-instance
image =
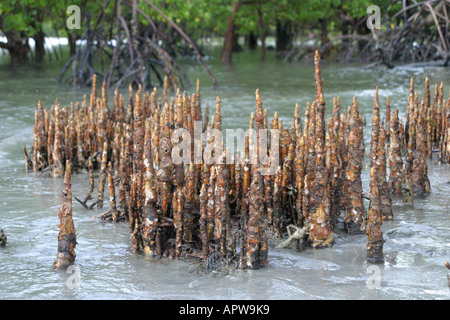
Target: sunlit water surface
{"type": "Point", "coordinates": [417, 240]}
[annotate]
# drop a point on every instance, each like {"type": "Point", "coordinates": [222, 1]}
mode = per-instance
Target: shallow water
{"type": "Point", "coordinates": [417, 240]}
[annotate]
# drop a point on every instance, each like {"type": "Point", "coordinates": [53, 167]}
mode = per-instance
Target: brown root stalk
{"type": "Point", "coordinates": [221, 207]}
{"type": "Point", "coordinates": [385, 198]}
{"type": "Point", "coordinates": [67, 239]}
{"type": "Point", "coordinates": [373, 230]}
{"type": "Point", "coordinates": [419, 173]}
{"type": "Point", "coordinates": [256, 245]}
{"type": "Point", "coordinates": [103, 174]}
{"type": "Point", "coordinates": [320, 230]}
{"type": "Point", "coordinates": [354, 203]}
{"type": "Point", "coordinates": [396, 176]}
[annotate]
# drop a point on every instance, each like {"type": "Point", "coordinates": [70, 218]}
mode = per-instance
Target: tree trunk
{"type": "Point", "coordinates": [283, 36]}
{"type": "Point", "coordinates": [236, 46]}
{"type": "Point", "coordinates": [346, 28]}
{"type": "Point", "coordinates": [252, 41]}
{"type": "Point", "coordinates": [72, 43]}
{"type": "Point", "coordinates": [39, 49]}
{"type": "Point", "coordinates": [262, 34]}
{"type": "Point", "coordinates": [324, 37]}
{"type": "Point", "coordinates": [229, 35]}
{"type": "Point", "coordinates": [17, 46]}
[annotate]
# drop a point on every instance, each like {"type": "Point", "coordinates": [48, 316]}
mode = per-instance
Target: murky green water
{"type": "Point", "coordinates": [417, 240]}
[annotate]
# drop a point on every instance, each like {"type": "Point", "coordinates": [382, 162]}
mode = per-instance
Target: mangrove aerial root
{"type": "Point", "coordinates": [320, 229]}
{"type": "Point", "coordinates": [67, 239]}
{"type": "Point", "coordinates": [374, 220]}
{"type": "Point", "coordinates": [209, 204]}
{"type": "Point", "coordinates": [396, 173]}
{"type": "Point", "coordinates": [353, 192]}
{"type": "Point", "coordinates": [2, 238]}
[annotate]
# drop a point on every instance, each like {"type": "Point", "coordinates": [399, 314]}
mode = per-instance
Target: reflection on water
{"type": "Point", "coordinates": [417, 240]}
